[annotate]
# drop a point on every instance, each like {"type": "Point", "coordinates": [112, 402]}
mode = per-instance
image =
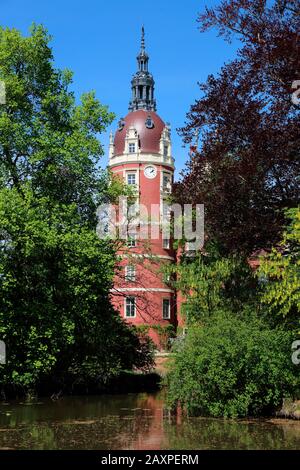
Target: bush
{"type": "Point", "coordinates": [232, 367]}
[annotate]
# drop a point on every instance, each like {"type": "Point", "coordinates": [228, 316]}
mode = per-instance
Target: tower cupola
{"type": "Point", "coordinates": [142, 83]}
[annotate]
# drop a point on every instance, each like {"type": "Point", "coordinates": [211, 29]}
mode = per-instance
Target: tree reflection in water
{"type": "Point", "coordinates": [133, 421]}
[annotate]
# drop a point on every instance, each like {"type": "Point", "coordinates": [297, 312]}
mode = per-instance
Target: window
{"type": "Point", "coordinates": [131, 240]}
{"type": "Point", "coordinates": [149, 121]}
{"type": "Point", "coordinates": [121, 124]}
{"type": "Point", "coordinates": [166, 182]}
{"type": "Point", "coordinates": [166, 313]}
{"type": "Point", "coordinates": [131, 178]}
{"type": "Point", "coordinates": [131, 148]}
{"type": "Point", "coordinates": [130, 273]}
{"type": "Point", "coordinates": [166, 150]}
{"type": "Point", "coordinates": [130, 307]}
{"type": "Point", "coordinates": [166, 243]}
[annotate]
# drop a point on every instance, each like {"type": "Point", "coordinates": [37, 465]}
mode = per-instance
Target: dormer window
{"type": "Point", "coordinates": [131, 141]}
{"type": "Point", "coordinates": [121, 124]}
{"type": "Point", "coordinates": [149, 122]}
{"type": "Point", "coordinates": [131, 147]}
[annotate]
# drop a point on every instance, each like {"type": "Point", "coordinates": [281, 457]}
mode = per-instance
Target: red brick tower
{"type": "Point", "coordinates": [141, 154]}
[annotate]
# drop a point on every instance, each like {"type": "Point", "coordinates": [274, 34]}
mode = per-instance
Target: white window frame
{"type": "Point", "coordinates": [169, 308]}
{"type": "Point", "coordinates": [129, 174]}
{"type": "Point", "coordinates": [134, 306]}
{"type": "Point", "coordinates": [166, 187]}
{"type": "Point", "coordinates": [131, 171]}
{"type": "Point", "coordinates": [166, 150]}
{"type": "Point", "coordinates": [130, 273]}
{"type": "Point", "coordinates": [132, 147]}
{"type": "Point", "coordinates": [166, 243]}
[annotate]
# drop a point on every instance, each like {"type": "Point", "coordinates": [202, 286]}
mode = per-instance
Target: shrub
{"type": "Point", "coordinates": [232, 367]}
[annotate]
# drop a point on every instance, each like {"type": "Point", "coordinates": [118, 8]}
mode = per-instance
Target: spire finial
{"type": "Point", "coordinates": [143, 39]}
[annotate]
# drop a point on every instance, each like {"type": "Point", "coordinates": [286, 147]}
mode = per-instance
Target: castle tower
{"type": "Point", "coordinates": [141, 154]}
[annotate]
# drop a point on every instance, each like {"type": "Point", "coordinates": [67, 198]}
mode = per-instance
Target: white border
{"type": "Point", "coordinates": [162, 305]}
{"type": "Point", "coordinates": [125, 316]}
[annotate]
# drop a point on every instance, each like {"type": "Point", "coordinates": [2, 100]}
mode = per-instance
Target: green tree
{"type": "Point", "coordinates": [210, 281]}
{"type": "Point", "coordinates": [55, 274]}
{"type": "Point", "coordinates": [281, 272]}
{"type": "Point", "coordinates": [44, 136]}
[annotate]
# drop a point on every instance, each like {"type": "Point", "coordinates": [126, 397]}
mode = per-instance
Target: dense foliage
{"type": "Point", "coordinates": [281, 273]}
{"type": "Point", "coordinates": [45, 137]}
{"type": "Point", "coordinates": [209, 281]}
{"type": "Point", "coordinates": [246, 165]}
{"type": "Point", "coordinates": [55, 313]}
{"type": "Point", "coordinates": [233, 367]}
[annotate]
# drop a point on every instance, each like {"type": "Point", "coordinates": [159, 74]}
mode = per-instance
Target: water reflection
{"type": "Point", "coordinates": [133, 421]}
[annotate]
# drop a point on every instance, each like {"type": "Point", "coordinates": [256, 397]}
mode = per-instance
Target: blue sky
{"type": "Point", "coordinates": [99, 41]}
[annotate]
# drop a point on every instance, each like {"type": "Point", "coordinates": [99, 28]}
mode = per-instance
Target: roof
{"type": "Point", "coordinates": [149, 137]}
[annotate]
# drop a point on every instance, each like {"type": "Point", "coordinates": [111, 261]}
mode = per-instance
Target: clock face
{"type": "Point", "coordinates": [150, 172]}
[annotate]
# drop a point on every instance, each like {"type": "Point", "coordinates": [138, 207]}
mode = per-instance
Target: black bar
{"type": "Point", "coordinates": [138, 459]}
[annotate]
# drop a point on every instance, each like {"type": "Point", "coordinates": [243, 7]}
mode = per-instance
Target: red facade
{"type": "Point", "coordinates": [141, 155]}
{"type": "Point", "coordinates": [141, 293]}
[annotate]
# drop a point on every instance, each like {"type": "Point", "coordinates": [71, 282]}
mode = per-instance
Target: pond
{"type": "Point", "coordinates": [132, 421]}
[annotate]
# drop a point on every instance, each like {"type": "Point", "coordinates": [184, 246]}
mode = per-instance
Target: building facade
{"type": "Point", "coordinates": [140, 153]}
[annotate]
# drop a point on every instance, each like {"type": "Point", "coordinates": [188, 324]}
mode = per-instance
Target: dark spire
{"type": "Point", "coordinates": [143, 39]}
{"type": "Point", "coordinates": [142, 83]}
